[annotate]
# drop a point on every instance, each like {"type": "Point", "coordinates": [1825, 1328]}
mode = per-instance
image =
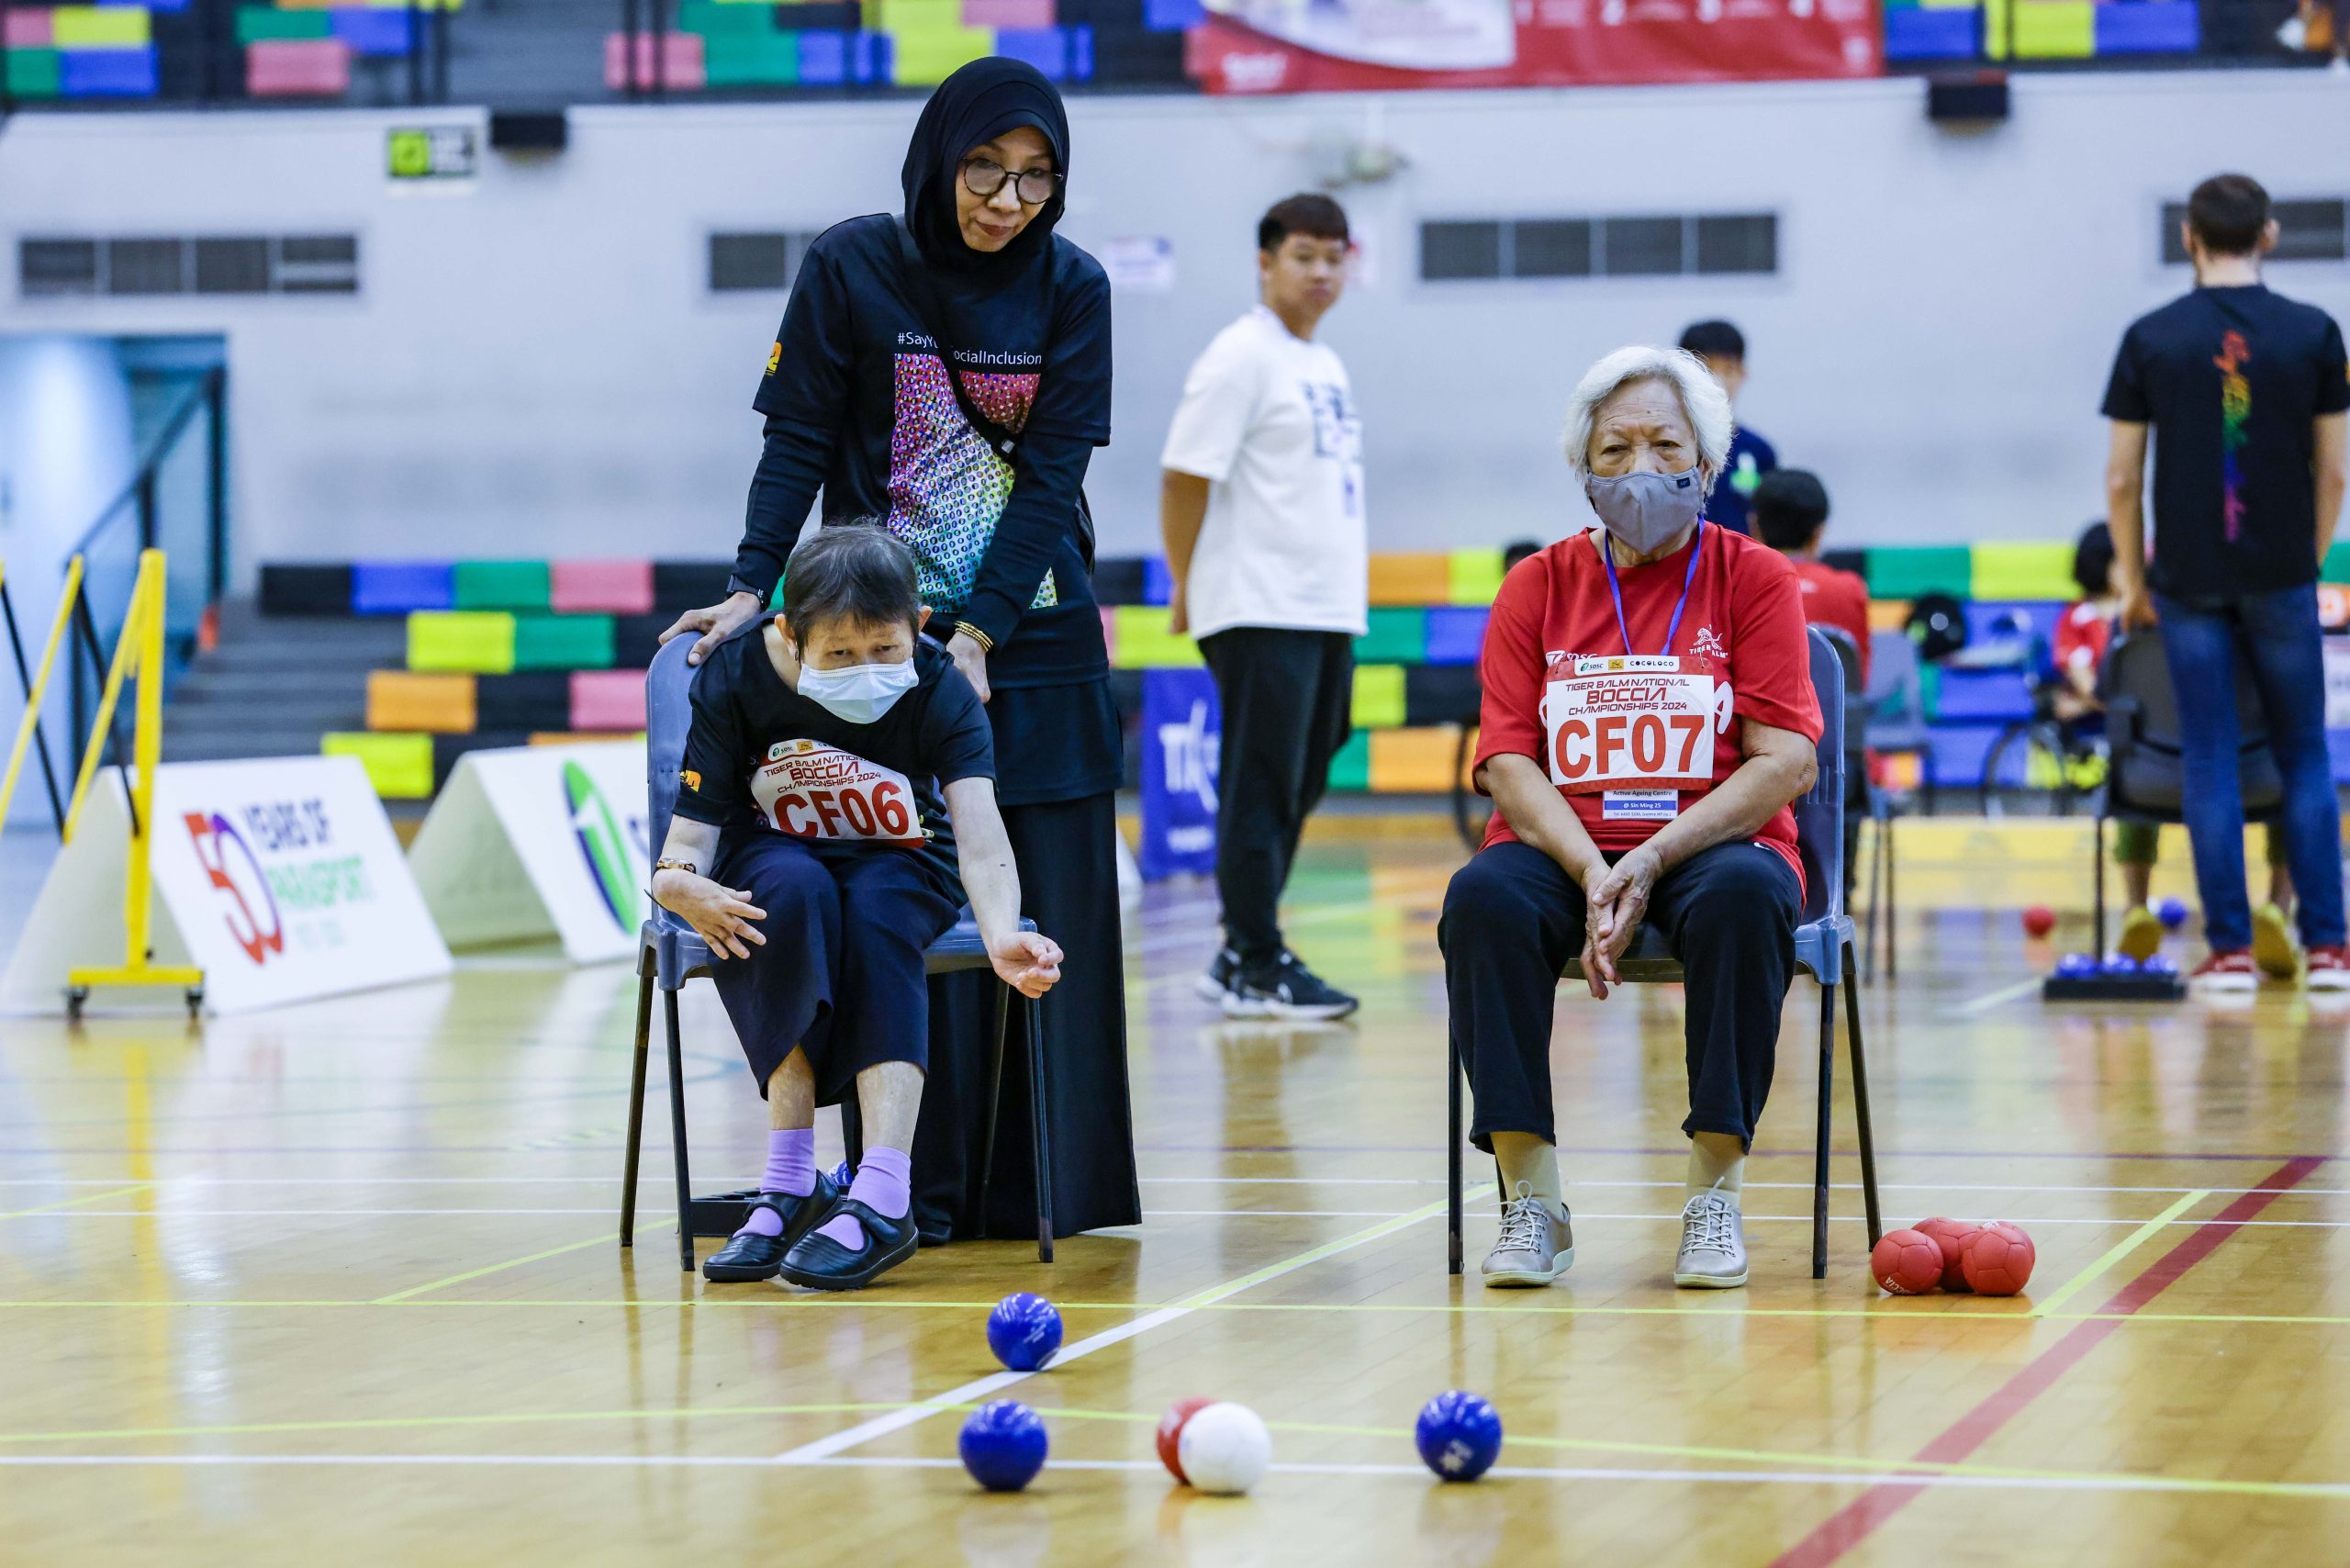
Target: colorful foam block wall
{"type": "Point", "coordinates": [2039, 29]}
{"type": "Point", "coordinates": [778, 43]}
{"type": "Point", "coordinates": [292, 48]}
{"type": "Point", "coordinates": [502, 652]}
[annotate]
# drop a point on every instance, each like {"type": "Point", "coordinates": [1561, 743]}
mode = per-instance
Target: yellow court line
{"type": "Point", "coordinates": [2047, 1308]}
{"type": "Point", "coordinates": [400, 1296]}
{"type": "Point", "coordinates": [1781, 1458]}
{"type": "Point", "coordinates": [77, 1202]}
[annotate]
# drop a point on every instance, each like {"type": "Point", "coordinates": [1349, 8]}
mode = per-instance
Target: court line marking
{"type": "Point", "coordinates": [74, 1203]}
{"type": "Point", "coordinates": [1854, 1523]}
{"type": "Point", "coordinates": [2318, 1490]}
{"type": "Point", "coordinates": [610, 1236]}
{"type": "Point", "coordinates": [1989, 999]}
{"type": "Point", "coordinates": [979, 1388]}
{"type": "Point", "coordinates": [2122, 1250]}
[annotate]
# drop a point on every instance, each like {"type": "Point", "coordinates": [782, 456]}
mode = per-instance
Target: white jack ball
{"type": "Point", "coordinates": [1224, 1448]}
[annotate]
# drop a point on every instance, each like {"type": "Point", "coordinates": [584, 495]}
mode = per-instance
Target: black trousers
{"type": "Point", "coordinates": [841, 973]}
{"type": "Point", "coordinates": [1287, 699]}
{"type": "Point", "coordinates": [1069, 880]}
{"type": "Point", "coordinates": [1513, 920]}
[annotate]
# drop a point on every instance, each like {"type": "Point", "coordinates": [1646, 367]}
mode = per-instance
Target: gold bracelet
{"type": "Point", "coordinates": [986, 643]}
{"type": "Point", "coordinates": [686, 866]}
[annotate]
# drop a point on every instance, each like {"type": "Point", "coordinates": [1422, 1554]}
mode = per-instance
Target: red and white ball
{"type": "Point", "coordinates": [1997, 1259]}
{"type": "Point", "coordinates": [1224, 1449]}
{"type": "Point", "coordinates": [1170, 1433]}
{"type": "Point", "coordinates": [1907, 1263]}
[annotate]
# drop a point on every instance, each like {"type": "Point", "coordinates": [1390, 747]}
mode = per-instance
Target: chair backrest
{"type": "Point", "coordinates": [2144, 735]}
{"type": "Point", "coordinates": [668, 719]}
{"type": "Point", "coordinates": [1848, 654]}
{"type": "Point", "coordinates": [1897, 689]}
{"type": "Point", "coordinates": [1819, 811]}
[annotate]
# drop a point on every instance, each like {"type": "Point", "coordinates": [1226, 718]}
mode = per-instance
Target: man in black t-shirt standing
{"type": "Point", "coordinates": [2245, 392]}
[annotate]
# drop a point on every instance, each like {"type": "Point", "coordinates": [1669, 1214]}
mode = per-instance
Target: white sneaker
{"type": "Point", "coordinates": [1712, 1252]}
{"type": "Point", "coordinates": [1536, 1245]}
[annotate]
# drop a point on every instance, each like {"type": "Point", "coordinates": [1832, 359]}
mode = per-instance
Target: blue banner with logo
{"type": "Point", "coordinates": [1180, 732]}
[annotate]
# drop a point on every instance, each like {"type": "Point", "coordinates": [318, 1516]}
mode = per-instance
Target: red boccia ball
{"type": "Point", "coordinates": [1997, 1259]}
{"type": "Point", "coordinates": [1907, 1263]}
{"type": "Point", "coordinates": [2039, 921]}
{"type": "Point", "coordinates": [1950, 1235]}
{"type": "Point", "coordinates": [1170, 1434]}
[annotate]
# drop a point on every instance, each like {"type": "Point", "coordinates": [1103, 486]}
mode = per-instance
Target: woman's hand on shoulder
{"type": "Point", "coordinates": [721, 917]}
{"type": "Point", "coordinates": [716, 623]}
{"type": "Point", "coordinates": [971, 659]}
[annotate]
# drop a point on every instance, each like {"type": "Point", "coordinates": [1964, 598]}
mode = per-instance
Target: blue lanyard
{"type": "Point", "coordinates": [1608, 559]}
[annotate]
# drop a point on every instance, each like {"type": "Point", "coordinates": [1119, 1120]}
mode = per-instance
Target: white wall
{"type": "Point", "coordinates": [534, 367]}
{"type": "Point", "coordinates": [66, 452]}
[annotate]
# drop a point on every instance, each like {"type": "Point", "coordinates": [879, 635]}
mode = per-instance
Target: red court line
{"type": "Point", "coordinates": [1851, 1524]}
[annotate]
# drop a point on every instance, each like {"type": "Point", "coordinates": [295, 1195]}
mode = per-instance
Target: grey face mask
{"type": "Point", "coordinates": [1644, 510]}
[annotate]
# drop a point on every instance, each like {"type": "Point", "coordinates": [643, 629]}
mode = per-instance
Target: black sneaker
{"type": "Point", "coordinates": [747, 1255]}
{"type": "Point", "coordinates": [1287, 989]}
{"type": "Point", "coordinates": [819, 1263]}
{"type": "Point", "coordinates": [1221, 985]}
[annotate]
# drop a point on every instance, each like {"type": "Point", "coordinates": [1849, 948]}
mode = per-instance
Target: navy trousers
{"type": "Point", "coordinates": [1514, 922]}
{"type": "Point", "coordinates": [841, 975]}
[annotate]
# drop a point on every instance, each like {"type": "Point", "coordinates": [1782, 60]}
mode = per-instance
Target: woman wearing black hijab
{"type": "Point", "coordinates": [859, 405]}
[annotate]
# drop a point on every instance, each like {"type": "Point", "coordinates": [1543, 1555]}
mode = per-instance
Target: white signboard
{"type": "Point", "coordinates": [528, 843]}
{"type": "Point", "coordinates": [2337, 682]}
{"type": "Point", "coordinates": [1140, 264]}
{"type": "Point", "coordinates": [280, 879]}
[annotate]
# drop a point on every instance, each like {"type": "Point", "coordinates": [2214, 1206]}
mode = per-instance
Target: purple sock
{"type": "Point", "coordinates": [883, 1184]}
{"type": "Point", "coordinates": [792, 1167]}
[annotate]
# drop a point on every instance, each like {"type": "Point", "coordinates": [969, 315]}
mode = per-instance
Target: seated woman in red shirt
{"type": "Point", "coordinates": [1647, 718]}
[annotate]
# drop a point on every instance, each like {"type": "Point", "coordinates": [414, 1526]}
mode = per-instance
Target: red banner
{"type": "Point", "coordinates": [1275, 46]}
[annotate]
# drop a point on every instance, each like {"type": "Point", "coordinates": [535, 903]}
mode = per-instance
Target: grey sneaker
{"type": "Point", "coordinates": [1536, 1245]}
{"type": "Point", "coordinates": [1713, 1253]}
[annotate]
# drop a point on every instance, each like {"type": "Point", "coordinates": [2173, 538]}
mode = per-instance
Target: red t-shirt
{"type": "Point", "coordinates": [1832, 596]}
{"type": "Point", "coordinates": [2082, 633]}
{"type": "Point", "coordinates": [1744, 624]}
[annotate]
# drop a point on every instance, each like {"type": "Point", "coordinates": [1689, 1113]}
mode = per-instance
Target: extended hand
{"type": "Point", "coordinates": [971, 659]}
{"type": "Point", "coordinates": [1179, 614]}
{"type": "Point", "coordinates": [1028, 962]}
{"type": "Point", "coordinates": [716, 624]}
{"type": "Point", "coordinates": [721, 917]}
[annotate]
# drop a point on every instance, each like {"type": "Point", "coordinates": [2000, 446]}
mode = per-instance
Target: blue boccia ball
{"type": "Point", "coordinates": [2160, 964]}
{"type": "Point", "coordinates": [1003, 1445]}
{"type": "Point", "coordinates": [1023, 1331]}
{"type": "Point", "coordinates": [1460, 1435]}
{"type": "Point", "coordinates": [2122, 964]}
{"type": "Point", "coordinates": [2077, 966]}
{"type": "Point", "coordinates": [2172, 914]}
{"type": "Point", "coordinates": [843, 1174]}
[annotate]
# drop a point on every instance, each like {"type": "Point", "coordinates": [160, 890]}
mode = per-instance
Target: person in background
{"type": "Point", "coordinates": [2245, 393]}
{"type": "Point", "coordinates": [1723, 348]}
{"type": "Point", "coordinates": [2083, 633]}
{"type": "Point", "coordinates": [1261, 505]}
{"type": "Point", "coordinates": [1790, 514]}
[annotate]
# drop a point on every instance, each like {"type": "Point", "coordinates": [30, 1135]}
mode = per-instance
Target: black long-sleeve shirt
{"type": "Point", "coordinates": [859, 407]}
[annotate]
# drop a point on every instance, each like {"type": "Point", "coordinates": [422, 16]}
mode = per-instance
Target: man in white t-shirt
{"type": "Point", "coordinates": [1261, 505]}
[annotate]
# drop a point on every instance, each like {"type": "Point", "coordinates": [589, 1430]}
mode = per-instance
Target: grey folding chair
{"type": "Point", "coordinates": [670, 953]}
{"type": "Point", "coordinates": [1823, 948]}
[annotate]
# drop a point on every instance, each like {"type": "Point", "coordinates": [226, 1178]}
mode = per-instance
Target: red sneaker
{"type": "Point", "coordinates": [2229, 971]}
{"type": "Point", "coordinates": [2329, 967]}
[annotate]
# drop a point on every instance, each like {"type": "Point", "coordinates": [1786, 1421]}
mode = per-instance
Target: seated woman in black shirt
{"type": "Point", "coordinates": [810, 813]}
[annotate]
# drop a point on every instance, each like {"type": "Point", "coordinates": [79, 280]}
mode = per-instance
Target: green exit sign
{"type": "Point", "coordinates": [432, 153]}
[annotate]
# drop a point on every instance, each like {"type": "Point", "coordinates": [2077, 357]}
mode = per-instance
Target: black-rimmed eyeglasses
{"type": "Point", "coordinates": [984, 176]}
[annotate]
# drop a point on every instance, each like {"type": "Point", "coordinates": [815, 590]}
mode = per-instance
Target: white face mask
{"type": "Point", "coordinates": [857, 694]}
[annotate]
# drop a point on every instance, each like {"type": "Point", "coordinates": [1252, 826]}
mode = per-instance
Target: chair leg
{"type": "Point", "coordinates": [1453, 1155]}
{"type": "Point", "coordinates": [1876, 895]}
{"type": "Point", "coordinates": [1034, 1010]}
{"type": "Point", "coordinates": [636, 1099]}
{"type": "Point", "coordinates": [1819, 1156]}
{"type": "Point", "coordinates": [995, 1102]}
{"type": "Point", "coordinates": [1892, 910]}
{"type": "Point", "coordinates": [1861, 1106]}
{"type": "Point", "coordinates": [677, 1133]}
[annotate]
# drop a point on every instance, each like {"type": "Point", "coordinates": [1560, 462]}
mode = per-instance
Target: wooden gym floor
{"type": "Point", "coordinates": [340, 1284]}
